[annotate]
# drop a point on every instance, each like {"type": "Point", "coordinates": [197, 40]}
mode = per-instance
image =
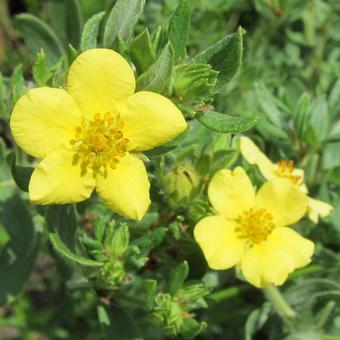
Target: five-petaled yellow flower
{"type": "Point", "coordinates": [283, 169]}
{"type": "Point", "coordinates": [250, 229]}
{"type": "Point", "coordinates": [90, 135]}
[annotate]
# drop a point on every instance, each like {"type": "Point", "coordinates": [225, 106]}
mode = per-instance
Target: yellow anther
{"type": "Point", "coordinates": [119, 135]}
{"type": "Point", "coordinates": [285, 169]}
{"type": "Point", "coordinates": [96, 116]}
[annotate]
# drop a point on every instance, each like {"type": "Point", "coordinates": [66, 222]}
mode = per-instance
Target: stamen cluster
{"type": "Point", "coordinates": [285, 169]}
{"type": "Point", "coordinates": [255, 225]}
{"type": "Point", "coordinates": [99, 143]}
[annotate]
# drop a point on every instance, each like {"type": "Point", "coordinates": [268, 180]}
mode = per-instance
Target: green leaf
{"type": "Point", "coordinates": [331, 156]}
{"type": "Point", "coordinates": [90, 32]}
{"type": "Point", "coordinates": [18, 224]}
{"type": "Point", "coordinates": [122, 19]}
{"type": "Point", "coordinates": [142, 51]}
{"type": "Point", "coordinates": [17, 260]}
{"type": "Point", "coordinates": [156, 78]}
{"type": "Point", "coordinates": [4, 108]}
{"type": "Point", "coordinates": [20, 174]}
{"type": "Point", "coordinates": [270, 131]}
{"type": "Point", "coordinates": [319, 121]}
{"type": "Point", "coordinates": [225, 57]}
{"type": "Point", "coordinates": [62, 219]}
{"type": "Point", "coordinates": [41, 72]}
{"type": "Point", "coordinates": [70, 257]}
{"type": "Point", "coordinates": [179, 28]}
{"type": "Point", "coordinates": [225, 123]}
{"type": "Point", "coordinates": [151, 290]}
{"type": "Point", "coordinates": [4, 237]}
{"type": "Point", "coordinates": [140, 248]}
{"type": "Point", "coordinates": [66, 20]}
{"type": "Point", "coordinates": [115, 321]}
{"type": "Point", "coordinates": [17, 84]}
{"type": "Point", "coordinates": [38, 35]}
{"type": "Point", "coordinates": [269, 105]}
{"type": "Point", "coordinates": [150, 240]}
{"type": "Point", "coordinates": [178, 278]}
{"type": "Point", "coordinates": [301, 115]}
{"type": "Point", "coordinates": [191, 328]}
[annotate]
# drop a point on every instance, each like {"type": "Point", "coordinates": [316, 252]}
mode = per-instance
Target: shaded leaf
{"type": "Point", "coordinates": [142, 51]}
{"type": "Point", "coordinates": [156, 78]}
{"type": "Point", "coordinates": [66, 20]}
{"type": "Point", "coordinates": [70, 257]}
{"type": "Point", "coordinates": [38, 35]}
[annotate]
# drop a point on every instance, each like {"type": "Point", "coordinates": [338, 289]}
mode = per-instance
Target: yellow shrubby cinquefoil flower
{"type": "Point", "coordinates": [286, 170]}
{"type": "Point", "coordinates": [90, 135]}
{"type": "Point", "coordinates": [250, 229]}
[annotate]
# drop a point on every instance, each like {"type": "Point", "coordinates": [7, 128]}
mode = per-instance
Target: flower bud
{"type": "Point", "coordinates": [194, 81]}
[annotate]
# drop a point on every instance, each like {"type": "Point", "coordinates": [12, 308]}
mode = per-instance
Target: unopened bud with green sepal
{"type": "Point", "coordinates": [180, 183]}
{"type": "Point", "coordinates": [192, 82]}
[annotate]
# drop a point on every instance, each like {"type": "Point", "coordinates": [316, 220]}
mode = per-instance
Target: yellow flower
{"type": "Point", "coordinates": [250, 229]}
{"type": "Point", "coordinates": [90, 135]}
{"type": "Point", "coordinates": [286, 170]}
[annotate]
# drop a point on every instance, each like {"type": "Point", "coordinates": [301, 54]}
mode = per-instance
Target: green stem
{"type": "Point", "coordinates": [287, 313]}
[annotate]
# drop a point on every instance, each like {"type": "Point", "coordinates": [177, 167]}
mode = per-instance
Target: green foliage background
{"type": "Point", "coordinates": [82, 272]}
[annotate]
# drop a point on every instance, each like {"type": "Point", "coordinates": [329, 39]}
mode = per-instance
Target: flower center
{"type": "Point", "coordinates": [99, 143]}
{"type": "Point", "coordinates": [255, 225]}
{"type": "Point", "coordinates": [285, 169]}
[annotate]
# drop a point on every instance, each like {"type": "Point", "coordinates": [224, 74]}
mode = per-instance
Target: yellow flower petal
{"type": "Point", "coordinates": [44, 120]}
{"type": "Point", "coordinates": [284, 201]}
{"type": "Point", "coordinates": [318, 209]}
{"type": "Point", "coordinates": [297, 247]}
{"type": "Point", "coordinates": [219, 242]}
{"type": "Point", "coordinates": [150, 120]}
{"type": "Point", "coordinates": [231, 192]}
{"type": "Point", "coordinates": [100, 80]}
{"type": "Point", "coordinates": [57, 181]}
{"type": "Point", "coordinates": [254, 155]}
{"type": "Point", "coordinates": [126, 188]}
{"type": "Point", "coordinates": [274, 259]}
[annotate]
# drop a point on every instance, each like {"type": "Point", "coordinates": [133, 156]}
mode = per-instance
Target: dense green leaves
{"type": "Point", "coordinates": [67, 21]}
{"type": "Point", "coordinates": [149, 278]}
{"type": "Point", "coordinates": [122, 18]}
{"type": "Point", "coordinates": [17, 259]}
{"type": "Point", "coordinates": [38, 35]}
